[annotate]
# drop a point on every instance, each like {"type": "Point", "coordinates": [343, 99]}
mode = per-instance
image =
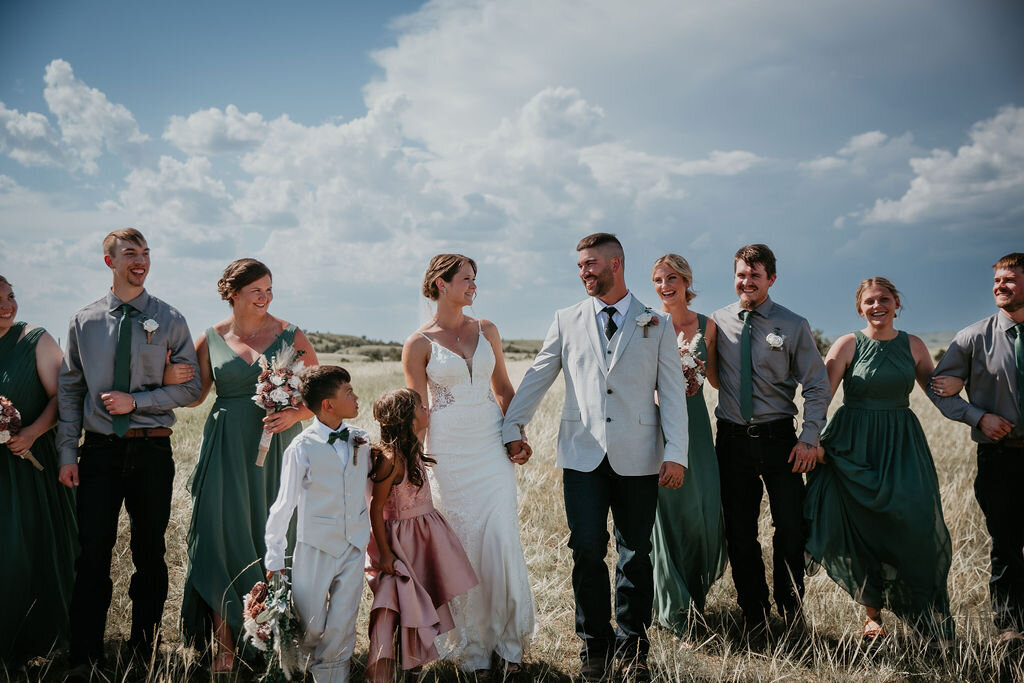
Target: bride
{"type": "Point", "coordinates": [457, 361]}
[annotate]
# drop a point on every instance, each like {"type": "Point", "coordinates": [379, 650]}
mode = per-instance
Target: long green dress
{"type": "Point", "coordinates": [873, 508]}
{"type": "Point", "coordinates": [689, 531]}
{"type": "Point", "coordinates": [230, 495]}
{"type": "Point", "coordinates": [38, 528]}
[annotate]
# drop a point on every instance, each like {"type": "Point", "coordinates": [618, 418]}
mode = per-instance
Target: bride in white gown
{"type": "Point", "coordinates": [458, 362]}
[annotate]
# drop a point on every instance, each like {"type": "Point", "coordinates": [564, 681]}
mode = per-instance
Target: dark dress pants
{"type": "Point", "coordinates": [138, 473]}
{"type": "Point", "coordinates": [632, 501]}
{"type": "Point", "coordinates": [744, 462]}
{"type": "Point", "coordinates": [998, 489]}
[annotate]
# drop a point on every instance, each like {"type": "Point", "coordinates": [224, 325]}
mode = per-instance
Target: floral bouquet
{"type": "Point", "coordinates": [277, 388]}
{"type": "Point", "coordinates": [694, 370]}
{"type": "Point", "coordinates": [10, 424]}
{"type": "Point", "coordinates": [270, 624]}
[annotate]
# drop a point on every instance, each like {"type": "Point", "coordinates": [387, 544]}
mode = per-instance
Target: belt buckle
{"type": "Point", "coordinates": [753, 431]}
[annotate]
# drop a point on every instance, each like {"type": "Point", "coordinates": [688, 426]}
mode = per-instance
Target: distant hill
{"type": "Point", "coordinates": [348, 347]}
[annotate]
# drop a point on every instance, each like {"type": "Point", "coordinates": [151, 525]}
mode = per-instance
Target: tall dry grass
{"type": "Point", "coordinates": [831, 650]}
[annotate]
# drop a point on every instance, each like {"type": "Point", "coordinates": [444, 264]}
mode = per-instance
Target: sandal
{"type": "Point", "coordinates": [873, 630]}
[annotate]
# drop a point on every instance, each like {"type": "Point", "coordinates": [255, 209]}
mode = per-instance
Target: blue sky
{"type": "Point", "coordinates": [344, 143]}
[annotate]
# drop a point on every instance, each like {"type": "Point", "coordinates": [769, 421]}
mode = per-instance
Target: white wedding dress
{"type": "Point", "coordinates": [475, 489]}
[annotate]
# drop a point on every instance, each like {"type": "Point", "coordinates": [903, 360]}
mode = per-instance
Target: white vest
{"type": "Point", "coordinates": [333, 511]}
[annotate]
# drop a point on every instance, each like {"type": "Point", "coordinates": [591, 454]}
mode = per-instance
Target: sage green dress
{"type": "Point", "coordinates": [38, 528]}
{"type": "Point", "coordinates": [689, 532]}
{"type": "Point", "coordinates": [230, 495]}
{"type": "Point", "coordinates": [873, 508]}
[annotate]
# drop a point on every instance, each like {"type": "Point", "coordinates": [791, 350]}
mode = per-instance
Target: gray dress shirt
{"type": "Point", "coordinates": [88, 369]}
{"type": "Point", "coordinates": [775, 372]}
{"type": "Point", "coordinates": [982, 356]}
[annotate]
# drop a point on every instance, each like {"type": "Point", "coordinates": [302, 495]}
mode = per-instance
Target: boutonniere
{"type": "Point", "coordinates": [775, 340]}
{"type": "Point", "coordinates": [150, 326]}
{"type": "Point", "coordinates": [357, 441]}
{"type": "Point", "coordinates": [646, 320]}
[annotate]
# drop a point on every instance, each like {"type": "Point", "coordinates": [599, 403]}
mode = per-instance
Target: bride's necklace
{"type": "Point", "coordinates": [458, 329]}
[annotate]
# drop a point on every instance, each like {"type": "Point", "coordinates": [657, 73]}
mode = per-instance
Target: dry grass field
{"type": "Point", "coordinates": [831, 651]}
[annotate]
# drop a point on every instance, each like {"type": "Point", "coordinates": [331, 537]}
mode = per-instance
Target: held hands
{"type": "Point", "coordinates": [68, 475]}
{"type": "Point", "coordinates": [176, 373]}
{"type": "Point", "coordinates": [671, 475]}
{"type": "Point", "coordinates": [994, 427]}
{"type": "Point", "coordinates": [519, 451]}
{"type": "Point", "coordinates": [944, 385]}
{"type": "Point", "coordinates": [117, 402]}
{"type": "Point", "coordinates": [804, 457]}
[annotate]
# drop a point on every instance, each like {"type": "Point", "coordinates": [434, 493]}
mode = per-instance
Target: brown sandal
{"type": "Point", "coordinates": [873, 630]}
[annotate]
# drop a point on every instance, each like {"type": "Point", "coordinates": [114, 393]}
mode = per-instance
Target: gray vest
{"type": "Point", "coordinates": [333, 511]}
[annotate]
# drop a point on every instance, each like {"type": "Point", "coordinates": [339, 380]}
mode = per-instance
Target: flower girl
{"type": "Point", "coordinates": [415, 564]}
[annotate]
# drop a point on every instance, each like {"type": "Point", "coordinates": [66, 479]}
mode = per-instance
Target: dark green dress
{"type": "Point", "coordinates": [873, 508]}
{"type": "Point", "coordinates": [230, 495]}
{"type": "Point", "coordinates": [689, 531]}
{"type": "Point", "coordinates": [38, 529]}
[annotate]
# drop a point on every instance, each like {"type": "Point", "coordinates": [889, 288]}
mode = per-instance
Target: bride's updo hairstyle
{"type": "Point", "coordinates": [395, 411]}
{"type": "Point", "coordinates": [878, 282]}
{"type": "Point", "coordinates": [239, 274]}
{"type": "Point", "coordinates": [443, 266]}
{"type": "Point", "coordinates": [682, 268]}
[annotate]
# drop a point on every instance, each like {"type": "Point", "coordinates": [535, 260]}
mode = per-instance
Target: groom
{"type": "Point", "coordinates": [614, 444]}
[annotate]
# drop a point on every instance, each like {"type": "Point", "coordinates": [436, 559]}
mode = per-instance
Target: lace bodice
{"type": "Point", "coordinates": [407, 500]}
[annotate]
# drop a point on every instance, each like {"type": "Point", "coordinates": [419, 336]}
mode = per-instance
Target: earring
{"type": "Point", "coordinates": [444, 290]}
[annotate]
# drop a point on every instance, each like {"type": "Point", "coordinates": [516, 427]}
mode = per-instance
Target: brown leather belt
{"type": "Point", "coordinates": [135, 433]}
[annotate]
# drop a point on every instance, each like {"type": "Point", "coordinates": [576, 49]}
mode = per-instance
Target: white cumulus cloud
{"type": "Point", "coordinates": [29, 138]}
{"type": "Point", "coordinates": [982, 179]}
{"type": "Point", "coordinates": [212, 131]}
{"type": "Point", "coordinates": [176, 193]}
{"type": "Point", "coordinates": [90, 123]}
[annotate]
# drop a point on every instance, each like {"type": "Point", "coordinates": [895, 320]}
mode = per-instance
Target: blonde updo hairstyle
{"type": "Point", "coordinates": [443, 266]}
{"type": "Point", "coordinates": [682, 267]}
{"type": "Point", "coordinates": [878, 282]}
{"type": "Point", "coordinates": [240, 274]}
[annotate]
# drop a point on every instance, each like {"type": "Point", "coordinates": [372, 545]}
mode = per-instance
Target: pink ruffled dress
{"type": "Point", "coordinates": [432, 569]}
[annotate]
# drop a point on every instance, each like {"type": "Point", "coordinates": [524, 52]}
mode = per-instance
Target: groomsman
{"type": "Point", "coordinates": [764, 352]}
{"type": "Point", "coordinates": [989, 357]}
{"type": "Point", "coordinates": [615, 446]}
{"type": "Point", "coordinates": [110, 384]}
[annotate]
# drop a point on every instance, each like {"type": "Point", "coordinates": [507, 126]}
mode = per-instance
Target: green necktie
{"type": "Point", "coordinates": [746, 383]}
{"type": "Point", "coordinates": [123, 366]}
{"type": "Point", "coordinates": [1018, 354]}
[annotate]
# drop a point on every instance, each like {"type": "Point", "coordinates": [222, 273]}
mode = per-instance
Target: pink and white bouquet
{"type": "Point", "coordinates": [277, 388]}
{"type": "Point", "coordinates": [10, 424]}
{"type": "Point", "coordinates": [694, 371]}
{"type": "Point", "coordinates": [270, 624]}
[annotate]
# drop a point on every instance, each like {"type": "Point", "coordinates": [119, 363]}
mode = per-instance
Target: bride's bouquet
{"type": "Point", "coordinates": [270, 624]}
{"type": "Point", "coordinates": [694, 371]}
{"type": "Point", "coordinates": [277, 388]}
{"type": "Point", "coordinates": [10, 424]}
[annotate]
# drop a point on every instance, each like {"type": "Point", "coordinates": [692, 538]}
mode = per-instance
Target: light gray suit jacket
{"type": "Point", "coordinates": [609, 404]}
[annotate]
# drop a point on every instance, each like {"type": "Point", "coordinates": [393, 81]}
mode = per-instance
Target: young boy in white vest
{"type": "Point", "coordinates": [325, 473]}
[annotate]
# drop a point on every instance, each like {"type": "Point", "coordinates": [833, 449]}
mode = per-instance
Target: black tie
{"type": "Point", "coordinates": [610, 326]}
{"type": "Point", "coordinates": [343, 435]}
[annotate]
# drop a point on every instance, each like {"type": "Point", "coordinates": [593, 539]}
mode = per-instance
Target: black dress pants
{"type": "Point", "coordinates": [138, 473]}
{"type": "Point", "coordinates": [999, 489]}
{"type": "Point", "coordinates": [744, 462]}
{"type": "Point", "coordinates": [632, 501]}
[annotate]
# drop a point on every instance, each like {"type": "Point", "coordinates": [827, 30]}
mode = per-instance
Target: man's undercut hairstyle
{"type": "Point", "coordinates": [756, 253]}
{"type": "Point", "coordinates": [127, 234]}
{"type": "Point", "coordinates": [320, 382]}
{"type": "Point", "coordinates": [1010, 261]}
{"type": "Point", "coordinates": [603, 240]}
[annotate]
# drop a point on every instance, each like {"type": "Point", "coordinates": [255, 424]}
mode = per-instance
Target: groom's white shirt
{"type": "Point", "coordinates": [609, 391]}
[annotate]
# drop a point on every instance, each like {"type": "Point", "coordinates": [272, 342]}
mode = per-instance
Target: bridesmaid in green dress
{"type": "Point", "coordinates": [37, 515]}
{"type": "Point", "coordinates": [230, 494]}
{"type": "Point", "coordinates": [873, 509]}
{"type": "Point", "coordinates": [689, 531]}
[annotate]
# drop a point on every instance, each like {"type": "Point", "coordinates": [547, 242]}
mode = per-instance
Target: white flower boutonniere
{"type": "Point", "coordinates": [775, 340]}
{"type": "Point", "coordinates": [646, 320]}
{"type": "Point", "coordinates": [150, 326]}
